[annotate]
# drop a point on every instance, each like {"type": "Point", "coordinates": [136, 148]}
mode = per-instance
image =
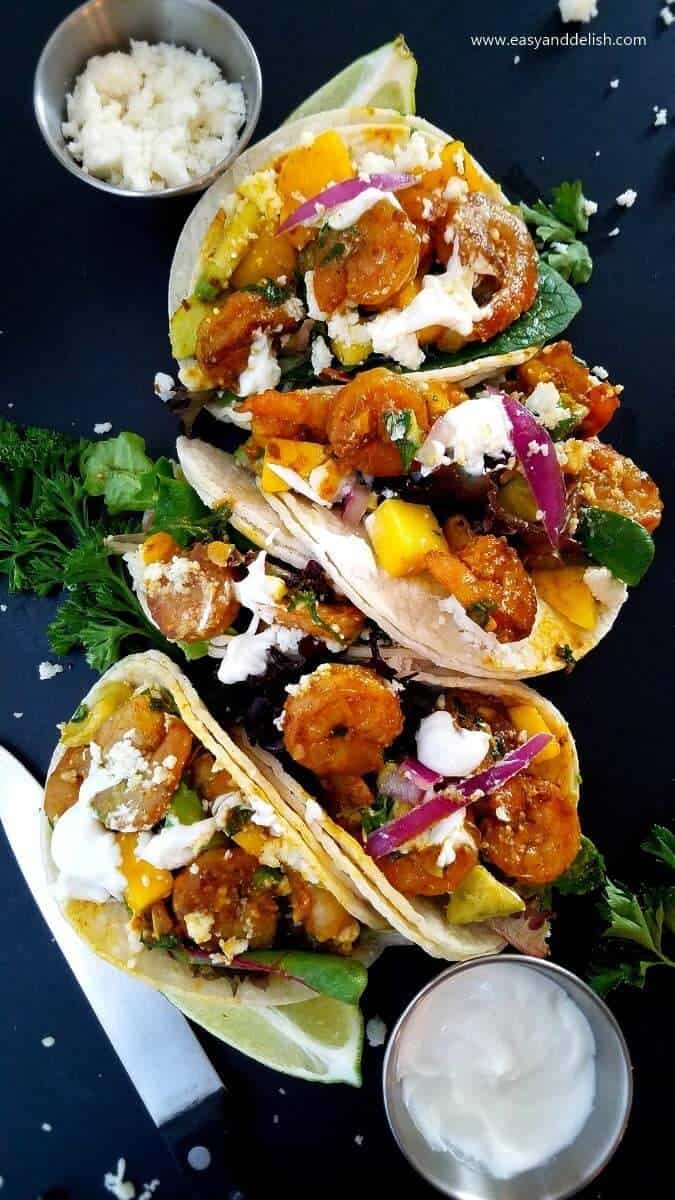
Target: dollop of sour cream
{"type": "Point", "coordinates": [443, 746]}
{"type": "Point", "coordinates": [497, 1066]}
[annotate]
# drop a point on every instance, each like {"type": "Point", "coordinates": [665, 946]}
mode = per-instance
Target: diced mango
{"type": "Point", "coordinates": [110, 697]}
{"type": "Point", "coordinates": [307, 170]}
{"type": "Point", "coordinates": [402, 534]}
{"type": "Point", "coordinates": [350, 354]}
{"type": "Point", "coordinates": [219, 553]}
{"type": "Point", "coordinates": [564, 589]}
{"type": "Point", "coordinates": [270, 257]}
{"type": "Point", "coordinates": [479, 897]}
{"type": "Point", "coordinates": [252, 839]}
{"type": "Point", "coordinates": [456, 155]}
{"type": "Point", "coordinates": [145, 884]}
{"type": "Point", "coordinates": [302, 457]}
{"type": "Point", "coordinates": [159, 547]}
{"type": "Point", "coordinates": [525, 717]}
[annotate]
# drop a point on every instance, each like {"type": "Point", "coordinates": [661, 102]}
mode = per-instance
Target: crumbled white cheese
{"type": "Point", "coordinates": [321, 356]}
{"type": "Point", "coordinates": [516, 59]}
{"type": "Point", "coordinates": [613, 83]}
{"type": "Point", "coordinates": [48, 1042]}
{"type": "Point", "coordinates": [545, 404]}
{"type": "Point", "coordinates": [48, 670]}
{"type": "Point", "coordinates": [590, 207]}
{"type": "Point", "coordinates": [123, 763]}
{"type": "Point", "coordinates": [344, 326]}
{"type": "Point", "coordinates": [627, 199]}
{"type": "Point", "coordinates": [165, 386]}
{"type": "Point", "coordinates": [103, 427]}
{"type": "Point", "coordinates": [614, 232]}
{"type": "Point", "coordinates": [17, 715]}
{"type": "Point", "coordinates": [262, 370]}
{"type": "Point", "coordinates": [604, 586]}
{"type": "Point", "coordinates": [87, 856]}
{"type": "Point", "coordinates": [376, 1031]}
{"type": "Point", "coordinates": [178, 572]}
{"type": "Point", "coordinates": [660, 116]}
{"type": "Point", "coordinates": [199, 926]}
{"type": "Point", "coordinates": [600, 372]}
{"type": "Point", "coordinates": [444, 746]}
{"type": "Point", "coordinates": [264, 815]}
{"type": "Point", "coordinates": [231, 414]}
{"type": "Point", "coordinates": [534, 448]}
{"type": "Point", "coordinates": [358, 1138]}
{"type": "Point", "coordinates": [578, 10]}
{"type": "Point", "coordinates": [313, 309]}
{"type": "Point", "coordinates": [175, 845]}
{"type": "Point", "coordinates": [468, 433]}
{"type": "Point", "coordinates": [115, 1183]}
{"type": "Point", "coordinates": [414, 153]}
{"type": "Point", "coordinates": [667, 16]}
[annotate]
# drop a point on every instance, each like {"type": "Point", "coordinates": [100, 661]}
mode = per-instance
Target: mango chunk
{"type": "Point", "coordinates": [564, 589]}
{"type": "Point", "coordinates": [307, 170]}
{"type": "Point", "coordinates": [110, 697]}
{"type": "Point", "coordinates": [145, 884]}
{"type": "Point", "coordinates": [402, 534]}
{"type": "Point", "coordinates": [479, 897]}
{"type": "Point", "coordinates": [270, 257]}
{"type": "Point", "coordinates": [302, 457]}
{"type": "Point", "coordinates": [525, 717]}
{"type": "Point", "coordinates": [252, 839]}
{"type": "Point", "coordinates": [350, 354]}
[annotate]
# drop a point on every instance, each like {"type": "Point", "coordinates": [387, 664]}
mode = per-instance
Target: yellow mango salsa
{"type": "Point", "coordinates": [302, 457]}
{"type": "Point", "coordinates": [269, 257]}
{"type": "Point", "coordinates": [564, 589]}
{"type": "Point", "coordinates": [145, 884]}
{"type": "Point", "coordinates": [109, 698]}
{"type": "Point", "coordinates": [402, 534]}
{"type": "Point", "coordinates": [525, 717]}
{"type": "Point", "coordinates": [252, 839]}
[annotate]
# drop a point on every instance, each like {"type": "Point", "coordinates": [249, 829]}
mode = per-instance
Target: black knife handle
{"type": "Point", "coordinates": [200, 1143]}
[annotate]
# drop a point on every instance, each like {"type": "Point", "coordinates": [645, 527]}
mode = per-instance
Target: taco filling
{"type": "Point", "coordinates": [142, 813]}
{"type": "Point", "coordinates": [334, 253]}
{"type": "Point", "coordinates": [494, 497]}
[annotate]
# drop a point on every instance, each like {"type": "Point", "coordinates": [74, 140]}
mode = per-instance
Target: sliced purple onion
{"type": "Point", "coordinates": [536, 452]}
{"type": "Point", "coordinates": [460, 792]}
{"type": "Point", "coordinates": [340, 193]}
{"type": "Point", "coordinates": [393, 782]}
{"type": "Point", "coordinates": [356, 501]}
{"type": "Point", "coordinates": [423, 776]}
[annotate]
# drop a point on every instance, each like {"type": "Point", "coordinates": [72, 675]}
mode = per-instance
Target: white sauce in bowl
{"type": "Point", "coordinates": [497, 1067]}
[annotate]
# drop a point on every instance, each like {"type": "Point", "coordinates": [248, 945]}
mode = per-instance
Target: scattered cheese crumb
{"type": "Point", "coordinates": [376, 1031]}
{"type": "Point", "coordinates": [666, 16]}
{"type": "Point", "coordinates": [359, 1139]}
{"type": "Point", "coordinates": [614, 232]}
{"type": "Point", "coordinates": [116, 1184]}
{"type": "Point", "coordinates": [590, 207]}
{"type": "Point", "coordinates": [103, 427]}
{"type": "Point", "coordinates": [282, 1091]}
{"type": "Point", "coordinates": [597, 154]}
{"type": "Point", "coordinates": [614, 83]}
{"type": "Point", "coordinates": [3, 608]}
{"type": "Point", "coordinates": [660, 117]}
{"type": "Point", "coordinates": [321, 356]}
{"type": "Point", "coordinates": [627, 199]}
{"type": "Point", "coordinates": [578, 10]}
{"type": "Point", "coordinates": [149, 1189]}
{"type": "Point", "coordinates": [165, 386]}
{"type": "Point", "coordinates": [516, 59]}
{"type": "Point", "coordinates": [46, 1127]}
{"type": "Point", "coordinates": [600, 372]}
{"type": "Point", "coordinates": [275, 1119]}
{"type": "Point", "coordinates": [48, 1042]}
{"type": "Point", "coordinates": [48, 670]}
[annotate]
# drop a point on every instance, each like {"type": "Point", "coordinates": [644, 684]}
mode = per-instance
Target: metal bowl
{"type": "Point", "coordinates": [104, 25]}
{"type": "Point", "coordinates": [575, 1165]}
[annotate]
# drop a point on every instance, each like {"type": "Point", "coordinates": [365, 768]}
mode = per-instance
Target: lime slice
{"type": "Point", "coordinates": [385, 78]}
{"type": "Point", "coordinates": [319, 1039]}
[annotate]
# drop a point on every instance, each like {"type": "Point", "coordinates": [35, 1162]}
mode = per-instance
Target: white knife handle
{"type": "Point", "coordinates": [200, 1139]}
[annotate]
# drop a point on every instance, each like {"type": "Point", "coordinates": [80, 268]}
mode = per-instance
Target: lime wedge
{"type": "Point", "coordinates": [385, 78]}
{"type": "Point", "coordinates": [319, 1039]}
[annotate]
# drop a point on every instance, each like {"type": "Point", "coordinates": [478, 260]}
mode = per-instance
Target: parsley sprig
{"type": "Point", "coordinates": [556, 226]}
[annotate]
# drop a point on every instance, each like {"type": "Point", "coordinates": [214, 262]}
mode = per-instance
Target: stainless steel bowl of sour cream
{"type": "Point", "coordinates": [507, 1078]}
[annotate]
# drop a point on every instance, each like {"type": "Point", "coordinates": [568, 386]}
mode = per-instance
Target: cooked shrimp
{"type": "Point", "coordinates": [340, 720]}
{"type": "Point", "coordinates": [222, 886]}
{"type": "Point", "coordinates": [495, 242]}
{"type": "Point", "coordinates": [530, 830]}
{"type": "Point", "coordinates": [224, 336]}
{"type": "Point", "coordinates": [418, 874]}
{"type": "Point", "coordinates": [301, 416]}
{"type": "Point", "coordinates": [346, 797]}
{"type": "Point", "coordinates": [333, 622]}
{"type": "Point", "coordinates": [191, 597]}
{"type": "Point", "coordinates": [379, 257]}
{"type": "Point", "coordinates": [491, 583]}
{"type": "Point", "coordinates": [63, 786]}
{"type": "Point", "coordinates": [164, 743]}
{"type": "Point", "coordinates": [556, 364]}
{"type": "Point", "coordinates": [209, 783]}
{"type": "Point", "coordinates": [322, 916]}
{"type": "Point", "coordinates": [606, 479]}
{"type": "Point", "coordinates": [356, 428]}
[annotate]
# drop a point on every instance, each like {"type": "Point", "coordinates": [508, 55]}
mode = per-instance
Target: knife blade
{"type": "Point", "coordinates": [179, 1087]}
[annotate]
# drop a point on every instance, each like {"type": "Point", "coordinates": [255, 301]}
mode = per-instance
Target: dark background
{"type": "Point", "coordinates": [84, 330]}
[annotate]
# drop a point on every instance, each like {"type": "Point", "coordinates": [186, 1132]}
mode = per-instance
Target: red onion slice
{"type": "Point", "coordinates": [416, 771]}
{"type": "Point", "coordinates": [536, 451]}
{"type": "Point", "coordinates": [355, 504]}
{"type": "Point", "coordinates": [340, 193]}
{"type": "Point", "coordinates": [461, 792]}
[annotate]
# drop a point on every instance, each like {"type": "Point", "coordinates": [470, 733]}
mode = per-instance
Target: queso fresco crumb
{"type": "Point", "coordinates": [155, 117]}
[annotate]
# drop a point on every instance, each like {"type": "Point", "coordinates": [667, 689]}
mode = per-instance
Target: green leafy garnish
{"type": "Point", "coordinates": [342, 978]}
{"type": "Point", "coordinates": [266, 877]}
{"type": "Point", "coordinates": [616, 542]}
{"type": "Point", "coordinates": [194, 650]}
{"type": "Point", "coordinates": [586, 874]}
{"type": "Point", "coordinates": [186, 807]}
{"type": "Point", "coordinates": [80, 714]}
{"type": "Point", "coordinates": [236, 819]}
{"type": "Point", "coordinates": [305, 598]}
{"type": "Point", "coordinates": [119, 470]}
{"type": "Point", "coordinates": [566, 654]}
{"type": "Point", "coordinates": [661, 843]}
{"type": "Point", "coordinates": [378, 814]}
{"type": "Point", "coordinates": [270, 291]}
{"type": "Point", "coordinates": [401, 427]}
{"type": "Point", "coordinates": [556, 226]}
{"type": "Point", "coordinates": [572, 261]}
{"type": "Point", "coordinates": [480, 612]}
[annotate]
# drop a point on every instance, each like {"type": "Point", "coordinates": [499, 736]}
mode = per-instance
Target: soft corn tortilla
{"type": "Point", "coordinates": [370, 129]}
{"type": "Point", "coordinates": [406, 609]}
{"type": "Point", "coordinates": [105, 927]}
{"type": "Point", "coordinates": [420, 919]}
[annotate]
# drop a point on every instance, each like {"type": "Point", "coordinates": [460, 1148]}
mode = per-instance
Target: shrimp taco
{"type": "Point", "coordinates": [485, 527]}
{"type": "Point", "coordinates": [352, 238]}
{"type": "Point", "coordinates": [451, 803]}
{"type": "Point", "coordinates": [172, 856]}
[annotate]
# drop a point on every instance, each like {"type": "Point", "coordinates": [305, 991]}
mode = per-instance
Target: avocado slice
{"type": "Point", "coordinates": [480, 896]}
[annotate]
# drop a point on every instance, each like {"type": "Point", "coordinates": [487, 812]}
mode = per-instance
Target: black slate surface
{"type": "Point", "coordinates": [84, 330]}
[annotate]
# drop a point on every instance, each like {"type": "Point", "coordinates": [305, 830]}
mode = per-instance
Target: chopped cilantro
{"type": "Point", "coordinates": [270, 291]}
{"type": "Point", "coordinates": [378, 814]}
{"type": "Point", "coordinates": [402, 429]}
{"type": "Point", "coordinates": [566, 654]}
{"type": "Point", "coordinates": [481, 611]}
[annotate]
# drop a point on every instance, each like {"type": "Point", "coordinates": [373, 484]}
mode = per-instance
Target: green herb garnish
{"type": "Point", "coordinates": [401, 428]}
{"type": "Point", "coordinates": [622, 545]}
{"type": "Point", "coordinates": [481, 611]}
{"type": "Point", "coordinates": [270, 291]}
{"type": "Point", "coordinates": [586, 873]}
{"type": "Point", "coordinates": [566, 654]}
{"type": "Point", "coordinates": [556, 226]}
{"type": "Point", "coordinates": [236, 819]}
{"type": "Point", "coordinates": [378, 814]}
{"type": "Point", "coordinates": [80, 714]}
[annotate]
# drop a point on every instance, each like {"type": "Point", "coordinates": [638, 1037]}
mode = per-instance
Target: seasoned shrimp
{"type": "Point", "coordinates": [556, 364]}
{"type": "Point", "coordinates": [322, 916]}
{"type": "Point", "coordinates": [347, 796]}
{"type": "Point", "coordinates": [63, 786]}
{"type": "Point", "coordinates": [210, 784]}
{"type": "Point", "coordinates": [333, 622]}
{"type": "Point", "coordinates": [164, 744]}
{"type": "Point", "coordinates": [301, 416]}
{"type": "Point", "coordinates": [340, 720]}
{"type": "Point", "coordinates": [418, 873]}
{"type": "Point", "coordinates": [495, 242]}
{"type": "Point", "coordinates": [220, 884]}
{"type": "Point", "coordinates": [191, 597]}
{"type": "Point", "coordinates": [490, 582]}
{"type": "Point", "coordinates": [224, 336]}
{"type": "Point", "coordinates": [529, 830]}
{"type": "Point", "coordinates": [377, 259]}
{"type": "Point", "coordinates": [606, 479]}
{"type": "Point", "coordinates": [356, 429]}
